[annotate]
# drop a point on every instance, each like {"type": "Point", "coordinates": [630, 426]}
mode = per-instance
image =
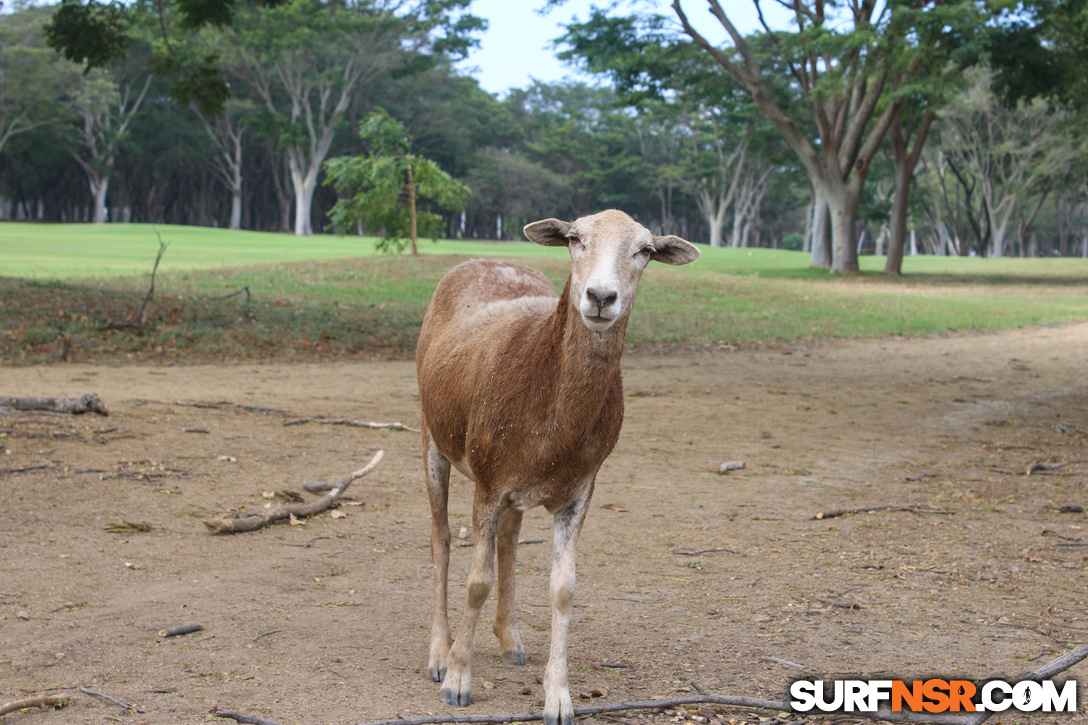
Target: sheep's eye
{"type": "Point", "coordinates": [646, 251]}
{"type": "Point", "coordinates": [574, 242]}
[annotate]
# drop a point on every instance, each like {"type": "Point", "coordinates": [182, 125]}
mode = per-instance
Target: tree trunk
{"type": "Point", "coordinates": [99, 186]}
{"type": "Point", "coordinates": [843, 209]}
{"type": "Point", "coordinates": [236, 208]}
{"type": "Point", "coordinates": [821, 232]}
{"type": "Point", "coordinates": [903, 178]}
{"type": "Point", "coordinates": [412, 210]}
{"type": "Point", "coordinates": [305, 185]}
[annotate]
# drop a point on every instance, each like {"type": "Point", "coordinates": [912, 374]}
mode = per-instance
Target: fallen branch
{"type": "Point", "coordinates": [41, 701]}
{"type": "Point", "coordinates": [114, 700]}
{"type": "Point", "coordinates": [1045, 467]}
{"type": "Point", "coordinates": [228, 404]}
{"type": "Point", "coordinates": [243, 290]}
{"type": "Point", "coordinates": [89, 403]}
{"type": "Point", "coordinates": [24, 469]}
{"type": "Point", "coordinates": [223, 525]}
{"type": "Point", "coordinates": [1047, 671]}
{"type": "Point", "coordinates": [352, 423]}
{"type": "Point", "coordinates": [180, 630]}
{"type": "Point", "coordinates": [705, 551]}
{"type": "Point", "coordinates": [915, 509]}
{"type": "Point", "coordinates": [239, 717]}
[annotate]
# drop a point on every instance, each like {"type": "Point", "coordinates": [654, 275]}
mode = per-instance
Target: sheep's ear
{"type": "Point", "coordinates": [672, 249]}
{"type": "Point", "coordinates": [549, 232]}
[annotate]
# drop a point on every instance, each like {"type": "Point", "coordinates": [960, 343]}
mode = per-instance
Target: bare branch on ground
{"type": "Point", "coordinates": [89, 403]}
{"type": "Point", "coordinates": [914, 509]}
{"type": "Point", "coordinates": [114, 700]}
{"type": "Point", "coordinates": [353, 424]}
{"type": "Point", "coordinates": [40, 701]}
{"type": "Point", "coordinates": [225, 525]}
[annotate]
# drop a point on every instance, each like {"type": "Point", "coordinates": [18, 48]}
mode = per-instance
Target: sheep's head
{"type": "Point", "coordinates": [608, 252]}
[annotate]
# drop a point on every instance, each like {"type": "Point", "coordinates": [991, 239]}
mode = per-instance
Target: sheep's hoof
{"type": "Point", "coordinates": [437, 673]}
{"type": "Point", "coordinates": [455, 698]}
{"type": "Point", "coordinates": [513, 657]}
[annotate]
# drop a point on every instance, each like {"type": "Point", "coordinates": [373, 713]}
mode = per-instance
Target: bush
{"type": "Point", "coordinates": [794, 242]}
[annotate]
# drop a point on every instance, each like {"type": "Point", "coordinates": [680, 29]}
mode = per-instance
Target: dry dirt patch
{"type": "Point", "coordinates": [327, 622]}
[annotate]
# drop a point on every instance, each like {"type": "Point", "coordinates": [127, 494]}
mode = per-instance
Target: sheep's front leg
{"type": "Point", "coordinates": [438, 484]}
{"type": "Point", "coordinates": [506, 623]}
{"type": "Point", "coordinates": [558, 708]}
{"type": "Point", "coordinates": [458, 681]}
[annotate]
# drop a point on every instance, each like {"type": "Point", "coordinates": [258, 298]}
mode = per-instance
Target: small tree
{"type": "Point", "coordinates": [380, 190]}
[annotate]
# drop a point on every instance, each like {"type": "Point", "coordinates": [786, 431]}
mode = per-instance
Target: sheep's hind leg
{"type": "Point", "coordinates": [438, 483]}
{"type": "Point", "coordinates": [506, 623]}
{"type": "Point", "coordinates": [457, 684]}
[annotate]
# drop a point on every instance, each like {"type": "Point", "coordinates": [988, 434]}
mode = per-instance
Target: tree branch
{"type": "Point", "coordinates": [224, 525]}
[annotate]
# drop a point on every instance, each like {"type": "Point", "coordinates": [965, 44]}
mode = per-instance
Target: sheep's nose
{"type": "Point", "coordinates": [601, 299]}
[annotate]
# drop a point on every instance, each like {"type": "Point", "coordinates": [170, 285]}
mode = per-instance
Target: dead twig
{"type": "Point", "coordinates": [138, 320]}
{"type": "Point", "coordinates": [784, 662]}
{"type": "Point", "coordinates": [705, 551]}
{"type": "Point", "coordinates": [228, 404]}
{"type": "Point", "coordinates": [914, 509]}
{"type": "Point", "coordinates": [114, 700]}
{"type": "Point", "coordinates": [1037, 631]}
{"type": "Point", "coordinates": [40, 701]}
{"type": "Point", "coordinates": [224, 525]}
{"type": "Point", "coordinates": [1049, 670]}
{"type": "Point", "coordinates": [244, 290]}
{"type": "Point", "coordinates": [180, 629]}
{"type": "Point", "coordinates": [24, 469]}
{"type": "Point", "coordinates": [353, 424]}
{"type": "Point", "coordinates": [89, 403]}
{"type": "Point", "coordinates": [838, 603]}
{"type": "Point", "coordinates": [239, 717]}
{"type": "Point", "coordinates": [1045, 467]}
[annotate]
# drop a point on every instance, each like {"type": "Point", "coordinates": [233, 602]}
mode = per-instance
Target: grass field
{"type": "Point", "coordinates": [327, 295]}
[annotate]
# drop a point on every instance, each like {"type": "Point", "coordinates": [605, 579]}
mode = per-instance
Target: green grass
{"type": "Point", "coordinates": [88, 251]}
{"type": "Point", "coordinates": [328, 296]}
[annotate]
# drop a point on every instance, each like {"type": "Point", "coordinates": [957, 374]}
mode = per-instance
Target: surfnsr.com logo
{"type": "Point", "coordinates": [932, 696]}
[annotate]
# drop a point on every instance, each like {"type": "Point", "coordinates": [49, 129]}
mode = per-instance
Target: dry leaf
{"type": "Point", "coordinates": [614, 507]}
{"type": "Point", "coordinates": [230, 459]}
{"type": "Point", "coordinates": [268, 494]}
{"type": "Point", "coordinates": [338, 514]}
{"type": "Point", "coordinates": [295, 521]}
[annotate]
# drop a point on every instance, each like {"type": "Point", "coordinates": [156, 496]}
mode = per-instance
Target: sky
{"type": "Point", "coordinates": [517, 45]}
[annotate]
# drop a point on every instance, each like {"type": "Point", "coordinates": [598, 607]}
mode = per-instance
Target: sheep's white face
{"type": "Point", "coordinates": [608, 252]}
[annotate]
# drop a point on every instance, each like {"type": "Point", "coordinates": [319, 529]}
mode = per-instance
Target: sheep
{"type": "Point", "coordinates": [521, 391]}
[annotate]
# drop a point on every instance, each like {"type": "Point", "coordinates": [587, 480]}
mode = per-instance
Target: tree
{"type": "Point", "coordinates": [227, 131]}
{"type": "Point", "coordinates": [1013, 155]}
{"type": "Point", "coordinates": [841, 78]}
{"type": "Point", "coordinates": [104, 106]}
{"type": "Point", "coordinates": [382, 189]}
{"type": "Point", "coordinates": [32, 78]}
{"type": "Point", "coordinates": [309, 61]}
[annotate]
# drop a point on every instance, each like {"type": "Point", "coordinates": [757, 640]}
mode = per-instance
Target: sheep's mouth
{"type": "Point", "coordinates": [598, 322]}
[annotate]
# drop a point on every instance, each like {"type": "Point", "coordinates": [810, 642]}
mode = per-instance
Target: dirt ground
{"type": "Point", "coordinates": [327, 622]}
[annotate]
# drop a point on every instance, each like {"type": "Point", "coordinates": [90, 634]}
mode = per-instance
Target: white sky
{"type": "Point", "coordinates": [517, 45]}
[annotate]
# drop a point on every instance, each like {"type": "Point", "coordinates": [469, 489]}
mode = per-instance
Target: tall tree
{"type": "Point", "coordinates": [842, 76]}
{"type": "Point", "coordinates": [104, 106]}
{"type": "Point", "coordinates": [33, 79]}
{"type": "Point", "coordinates": [309, 62]}
{"type": "Point", "coordinates": [227, 131]}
